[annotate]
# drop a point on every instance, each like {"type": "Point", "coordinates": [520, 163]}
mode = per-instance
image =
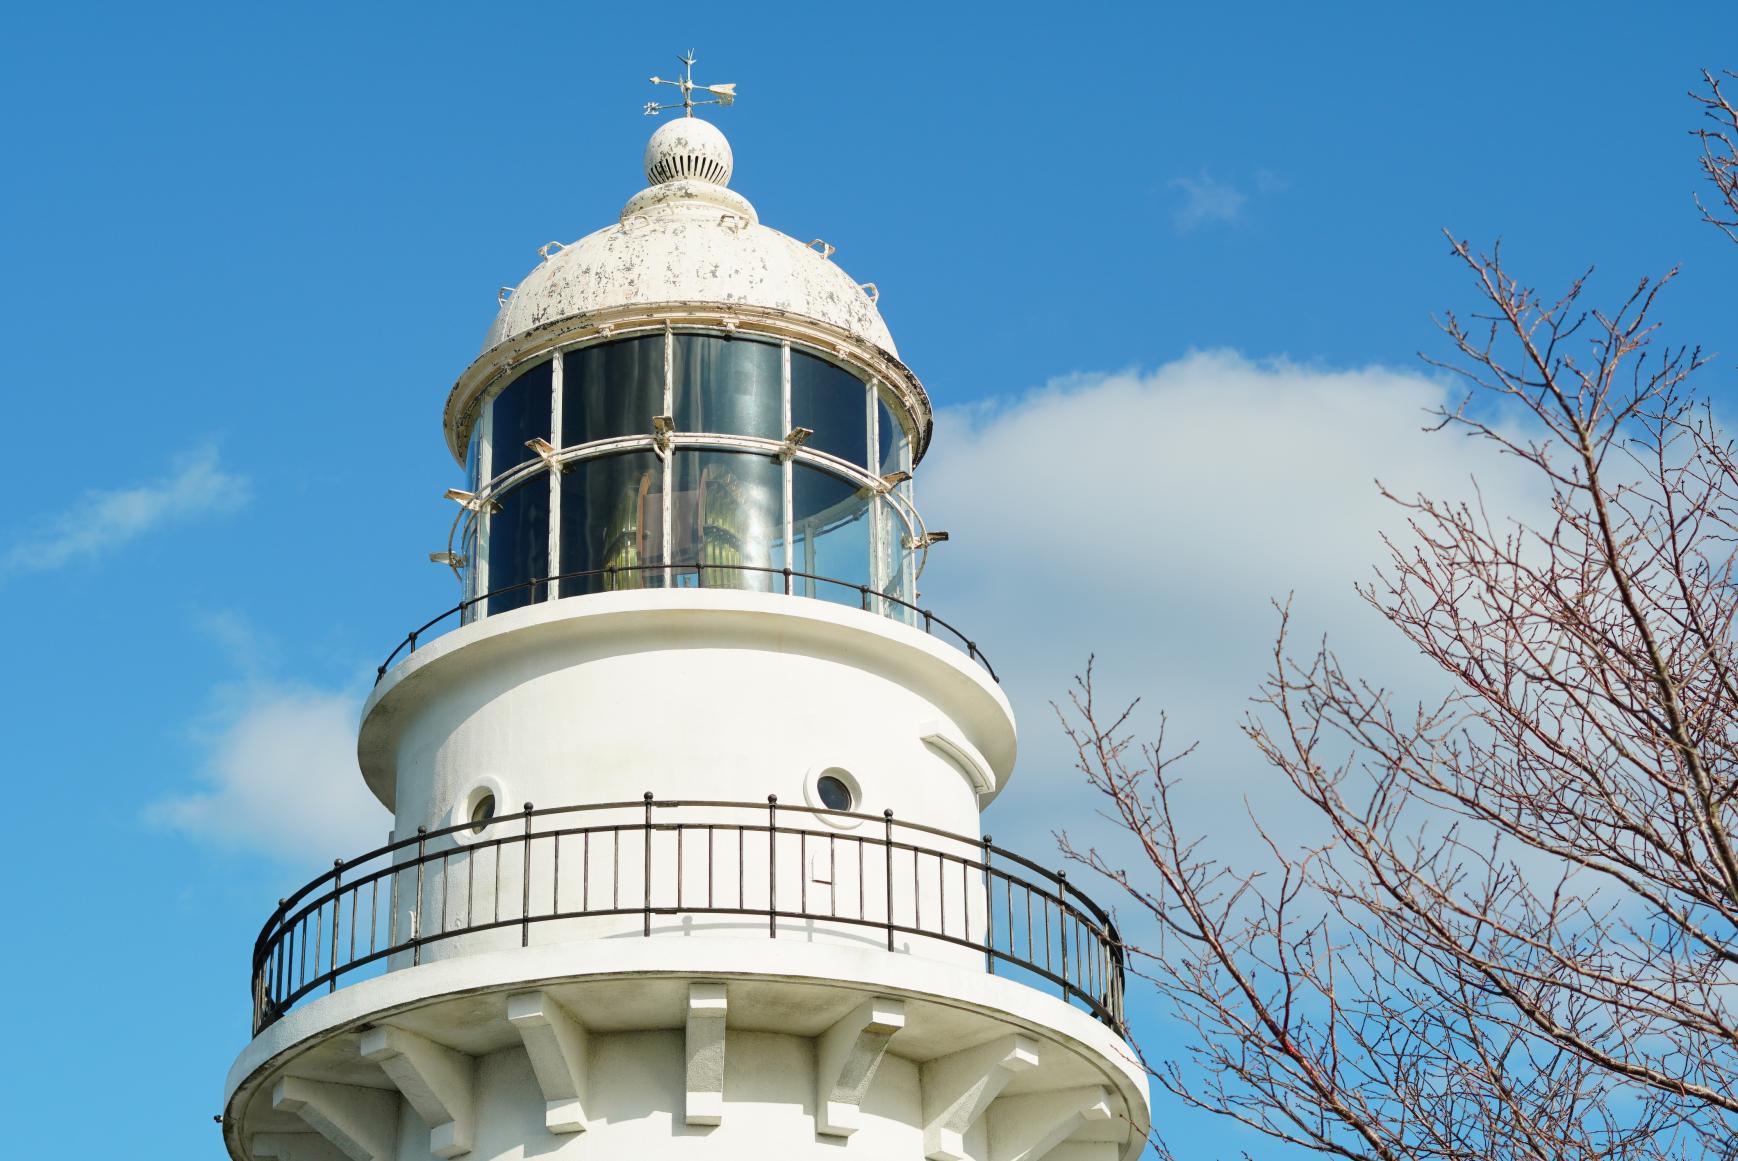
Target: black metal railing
{"type": "Point", "coordinates": [764, 868]}
{"type": "Point", "coordinates": [646, 576]}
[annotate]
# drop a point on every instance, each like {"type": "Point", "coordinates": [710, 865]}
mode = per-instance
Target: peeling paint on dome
{"type": "Point", "coordinates": [692, 241]}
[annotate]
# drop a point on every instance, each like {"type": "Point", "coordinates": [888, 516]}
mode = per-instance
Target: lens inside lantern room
{"type": "Point", "coordinates": [724, 521]}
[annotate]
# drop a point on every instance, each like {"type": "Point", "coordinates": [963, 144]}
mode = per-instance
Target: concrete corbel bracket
{"type": "Point", "coordinates": [437, 1081]}
{"type": "Point", "coordinates": [704, 1087]}
{"type": "Point", "coordinates": [846, 1057]}
{"type": "Point", "coordinates": [292, 1147]}
{"type": "Point", "coordinates": [961, 754]}
{"type": "Point", "coordinates": [560, 1052]}
{"type": "Point", "coordinates": [362, 1123]}
{"type": "Point", "coordinates": [1029, 1127]}
{"type": "Point", "coordinates": [957, 1089]}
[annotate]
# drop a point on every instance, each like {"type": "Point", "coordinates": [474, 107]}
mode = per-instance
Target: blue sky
{"type": "Point", "coordinates": [248, 248]}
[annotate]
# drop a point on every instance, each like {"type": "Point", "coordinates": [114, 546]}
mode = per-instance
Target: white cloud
{"type": "Point", "coordinates": [281, 778]}
{"type": "Point", "coordinates": [1206, 200]}
{"type": "Point", "coordinates": [280, 775]}
{"type": "Point", "coordinates": [106, 520]}
{"type": "Point", "coordinates": [1151, 518]}
{"type": "Point", "coordinates": [1147, 517]}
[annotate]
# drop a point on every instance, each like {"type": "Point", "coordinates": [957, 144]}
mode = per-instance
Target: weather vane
{"type": "Point", "coordinates": [721, 94]}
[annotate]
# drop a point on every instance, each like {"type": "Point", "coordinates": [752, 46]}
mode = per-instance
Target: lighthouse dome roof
{"type": "Point", "coordinates": [688, 238]}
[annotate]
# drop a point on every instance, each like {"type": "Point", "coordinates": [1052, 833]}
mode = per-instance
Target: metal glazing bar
{"type": "Point", "coordinates": [557, 373]}
{"type": "Point", "coordinates": [485, 470]}
{"type": "Point", "coordinates": [786, 468]}
{"type": "Point", "coordinates": [668, 465]}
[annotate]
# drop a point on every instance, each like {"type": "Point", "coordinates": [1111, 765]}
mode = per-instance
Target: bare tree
{"type": "Point", "coordinates": [1520, 936]}
{"type": "Point", "coordinates": [1719, 153]}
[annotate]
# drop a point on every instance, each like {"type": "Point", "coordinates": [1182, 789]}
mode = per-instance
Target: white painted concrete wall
{"type": "Point", "coordinates": [688, 694]}
{"type": "Point", "coordinates": [691, 695]}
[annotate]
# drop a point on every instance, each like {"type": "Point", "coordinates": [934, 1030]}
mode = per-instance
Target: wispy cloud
{"type": "Point", "coordinates": [1207, 200]}
{"type": "Point", "coordinates": [104, 521]}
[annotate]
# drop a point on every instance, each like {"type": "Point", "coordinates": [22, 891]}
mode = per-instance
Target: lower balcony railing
{"type": "Point", "coordinates": [693, 868]}
{"type": "Point", "coordinates": [754, 578]}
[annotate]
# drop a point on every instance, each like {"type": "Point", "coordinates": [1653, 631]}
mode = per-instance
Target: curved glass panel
{"type": "Point", "coordinates": [519, 544]}
{"type": "Point", "coordinates": [832, 403]}
{"type": "Point", "coordinates": [522, 412]}
{"type": "Point", "coordinates": [733, 386]}
{"type": "Point", "coordinates": [472, 450]}
{"type": "Point", "coordinates": [711, 517]}
{"type": "Point", "coordinates": [897, 567]}
{"type": "Point", "coordinates": [895, 445]}
{"type": "Point", "coordinates": [612, 516]}
{"type": "Point", "coordinates": [830, 536]}
{"type": "Point", "coordinates": [468, 546]}
{"type": "Point", "coordinates": [473, 481]}
{"type": "Point", "coordinates": [728, 510]}
{"type": "Point", "coordinates": [612, 389]}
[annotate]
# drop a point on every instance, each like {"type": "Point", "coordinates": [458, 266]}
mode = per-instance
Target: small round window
{"type": "Point", "coordinates": [482, 810]}
{"type": "Point", "coordinates": [834, 792]}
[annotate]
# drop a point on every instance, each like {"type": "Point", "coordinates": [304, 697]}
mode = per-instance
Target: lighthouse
{"type": "Point", "coordinates": [687, 858]}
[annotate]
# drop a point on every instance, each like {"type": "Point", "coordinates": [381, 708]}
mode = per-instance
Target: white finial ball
{"type": "Point", "coordinates": [688, 148]}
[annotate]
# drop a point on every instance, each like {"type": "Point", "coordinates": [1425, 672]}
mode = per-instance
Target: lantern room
{"type": "Point", "coordinates": [688, 398]}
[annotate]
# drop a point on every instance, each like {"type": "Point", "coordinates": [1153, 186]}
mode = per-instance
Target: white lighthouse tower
{"type": "Point", "coordinates": [686, 859]}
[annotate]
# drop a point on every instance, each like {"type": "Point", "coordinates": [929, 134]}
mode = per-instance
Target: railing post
{"type": "Point", "coordinates": [525, 886]}
{"type": "Point", "coordinates": [864, 590]}
{"type": "Point", "coordinates": [646, 843]}
{"type": "Point", "coordinates": [989, 911]}
{"type": "Point", "coordinates": [416, 907]}
{"type": "Point", "coordinates": [887, 846]}
{"type": "Point", "coordinates": [1062, 925]}
{"type": "Point", "coordinates": [337, 883]}
{"type": "Point", "coordinates": [772, 866]}
{"type": "Point", "coordinates": [787, 573]}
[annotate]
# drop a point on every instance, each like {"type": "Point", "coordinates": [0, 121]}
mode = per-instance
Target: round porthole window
{"type": "Point", "coordinates": [835, 795]}
{"type": "Point", "coordinates": [474, 812]}
{"type": "Point", "coordinates": [834, 792]}
{"type": "Point", "coordinates": [482, 810]}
